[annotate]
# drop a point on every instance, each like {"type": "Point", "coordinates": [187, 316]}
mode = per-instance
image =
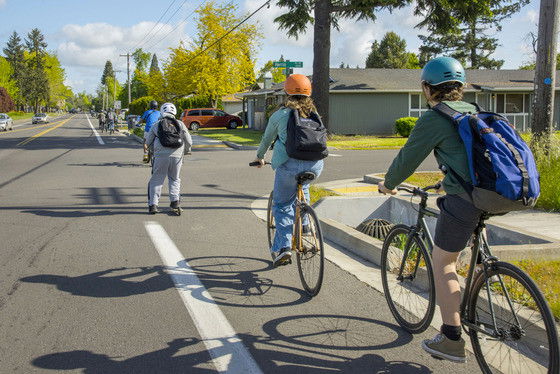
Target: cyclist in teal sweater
{"type": "Point", "coordinates": [443, 80]}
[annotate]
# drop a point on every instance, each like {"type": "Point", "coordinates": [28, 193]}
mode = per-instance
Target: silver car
{"type": "Point", "coordinates": [40, 118]}
{"type": "Point", "coordinates": [6, 123]}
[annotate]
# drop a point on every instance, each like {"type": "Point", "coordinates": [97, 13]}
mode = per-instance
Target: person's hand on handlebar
{"type": "Point", "coordinates": [384, 190]}
{"type": "Point", "coordinates": [260, 161]}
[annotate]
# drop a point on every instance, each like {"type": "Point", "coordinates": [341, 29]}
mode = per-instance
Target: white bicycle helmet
{"type": "Point", "coordinates": [168, 108]}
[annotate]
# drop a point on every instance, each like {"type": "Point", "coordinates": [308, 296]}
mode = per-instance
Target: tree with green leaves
{"type": "Point", "coordinates": [15, 56]}
{"type": "Point", "coordinates": [460, 29]}
{"type": "Point", "coordinates": [154, 66]}
{"type": "Point", "coordinates": [277, 73]}
{"type": "Point", "coordinates": [324, 14]}
{"type": "Point", "coordinates": [391, 53]}
{"type": "Point", "coordinates": [58, 91]}
{"type": "Point", "coordinates": [36, 83]}
{"type": "Point", "coordinates": [141, 59]}
{"type": "Point", "coordinates": [108, 71]}
{"type": "Point", "coordinates": [532, 66]}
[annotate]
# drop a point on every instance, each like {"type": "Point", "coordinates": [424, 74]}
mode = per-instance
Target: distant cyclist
{"type": "Point", "coordinates": [443, 80]}
{"type": "Point", "coordinates": [150, 116]}
{"type": "Point", "coordinates": [298, 88]}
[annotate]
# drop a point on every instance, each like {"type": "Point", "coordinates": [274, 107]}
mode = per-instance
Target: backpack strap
{"type": "Point", "coordinates": [448, 112]}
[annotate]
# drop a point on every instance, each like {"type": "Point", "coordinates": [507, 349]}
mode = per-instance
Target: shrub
{"type": "Point", "coordinates": [548, 164]}
{"type": "Point", "coordinates": [6, 102]}
{"type": "Point", "coordinates": [138, 131]}
{"type": "Point", "coordinates": [196, 102]}
{"type": "Point", "coordinates": [139, 106]}
{"type": "Point", "coordinates": [404, 126]}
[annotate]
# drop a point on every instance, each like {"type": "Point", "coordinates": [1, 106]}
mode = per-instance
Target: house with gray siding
{"type": "Point", "coordinates": [368, 101]}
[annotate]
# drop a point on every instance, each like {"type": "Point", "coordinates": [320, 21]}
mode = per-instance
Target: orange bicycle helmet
{"type": "Point", "coordinates": [298, 84]}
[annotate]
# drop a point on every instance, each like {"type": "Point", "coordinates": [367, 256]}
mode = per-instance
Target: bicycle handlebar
{"type": "Point", "coordinates": [256, 163]}
{"type": "Point", "coordinates": [420, 191]}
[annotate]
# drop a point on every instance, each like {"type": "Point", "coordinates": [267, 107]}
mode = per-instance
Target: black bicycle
{"type": "Point", "coordinates": [307, 238]}
{"type": "Point", "coordinates": [509, 322]}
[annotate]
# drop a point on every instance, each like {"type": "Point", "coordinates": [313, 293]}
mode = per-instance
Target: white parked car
{"type": "Point", "coordinates": [6, 123]}
{"type": "Point", "coordinates": [40, 118]}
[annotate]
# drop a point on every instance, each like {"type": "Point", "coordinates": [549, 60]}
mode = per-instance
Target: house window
{"type": "Point", "coordinates": [514, 103]}
{"type": "Point", "coordinates": [418, 105]}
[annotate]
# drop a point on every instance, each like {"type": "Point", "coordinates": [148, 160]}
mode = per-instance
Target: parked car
{"type": "Point", "coordinates": [209, 117]}
{"type": "Point", "coordinates": [40, 118]}
{"type": "Point", "coordinates": [6, 122]}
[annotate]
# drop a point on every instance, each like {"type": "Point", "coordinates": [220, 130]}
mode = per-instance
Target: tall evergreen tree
{"type": "Point", "coordinates": [14, 53]}
{"type": "Point", "coordinates": [460, 29]}
{"type": "Point", "coordinates": [154, 66]}
{"type": "Point", "coordinates": [36, 83]}
{"type": "Point", "coordinates": [391, 53]}
{"type": "Point", "coordinates": [108, 72]}
{"type": "Point", "coordinates": [141, 59]}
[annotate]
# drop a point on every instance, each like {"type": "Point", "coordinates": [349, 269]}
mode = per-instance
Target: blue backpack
{"type": "Point", "coordinates": [502, 167]}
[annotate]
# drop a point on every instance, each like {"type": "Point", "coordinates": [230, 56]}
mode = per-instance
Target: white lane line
{"type": "Point", "coordinates": [228, 353]}
{"type": "Point", "coordinates": [334, 155]}
{"type": "Point", "coordinates": [95, 132]}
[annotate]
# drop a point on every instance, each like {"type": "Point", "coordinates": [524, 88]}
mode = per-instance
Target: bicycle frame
{"type": "Point", "coordinates": [297, 243]}
{"type": "Point", "coordinates": [480, 248]}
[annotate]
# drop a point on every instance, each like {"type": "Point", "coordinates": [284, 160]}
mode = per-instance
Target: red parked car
{"type": "Point", "coordinates": [209, 117]}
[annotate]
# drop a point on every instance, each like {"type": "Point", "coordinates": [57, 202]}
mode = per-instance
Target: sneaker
{"type": "Point", "coordinates": [174, 204]}
{"type": "Point", "coordinates": [282, 257]}
{"type": "Point", "coordinates": [153, 209]}
{"type": "Point", "coordinates": [442, 347]}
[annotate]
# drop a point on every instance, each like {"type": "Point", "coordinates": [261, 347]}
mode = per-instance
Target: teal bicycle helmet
{"type": "Point", "coordinates": [442, 70]}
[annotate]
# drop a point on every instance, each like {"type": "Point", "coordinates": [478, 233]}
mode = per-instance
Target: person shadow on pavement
{"type": "Point", "coordinates": [100, 284]}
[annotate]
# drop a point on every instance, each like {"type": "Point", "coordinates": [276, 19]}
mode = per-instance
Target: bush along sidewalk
{"type": "Point", "coordinates": [404, 126]}
{"type": "Point", "coordinates": [547, 157]}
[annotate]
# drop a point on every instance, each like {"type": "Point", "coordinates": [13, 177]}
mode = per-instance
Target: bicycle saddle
{"type": "Point", "coordinates": [305, 176]}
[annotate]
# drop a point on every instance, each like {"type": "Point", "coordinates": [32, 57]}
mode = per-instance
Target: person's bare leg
{"type": "Point", "coordinates": [448, 290]}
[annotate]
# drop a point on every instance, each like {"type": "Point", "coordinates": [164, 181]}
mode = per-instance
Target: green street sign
{"type": "Point", "coordinates": [287, 64]}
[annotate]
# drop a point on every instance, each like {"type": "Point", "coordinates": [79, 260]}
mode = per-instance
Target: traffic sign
{"type": "Point", "coordinates": [287, 64]}
{"type": "Point", "coordinates": [117, 104]}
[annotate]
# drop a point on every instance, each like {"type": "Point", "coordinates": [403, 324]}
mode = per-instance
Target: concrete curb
{"type": "Point", "coordinates": [240, 147]}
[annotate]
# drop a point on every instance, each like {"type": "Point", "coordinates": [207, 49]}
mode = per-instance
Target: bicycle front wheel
{"type": "Point", "coordinates": [310, 255]}
{"type": "Point", "coordinates": [408, 281]}
{"type": "Point", "coordinates": [519, 329]}
{"type": "Point", "coordinates": [270, 224]}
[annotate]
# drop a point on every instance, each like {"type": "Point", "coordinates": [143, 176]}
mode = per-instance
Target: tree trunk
{"type": "Point", "coordinates": [321, 58]}
{"type": "Point", "coordinates": [545, 72]}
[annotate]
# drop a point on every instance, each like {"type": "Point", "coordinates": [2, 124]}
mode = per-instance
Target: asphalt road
{"type": "Point", "coordinates": [90, 283]}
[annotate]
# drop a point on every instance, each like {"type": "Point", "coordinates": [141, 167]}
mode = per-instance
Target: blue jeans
{"type": "Point", "coordinates": [285, 190]}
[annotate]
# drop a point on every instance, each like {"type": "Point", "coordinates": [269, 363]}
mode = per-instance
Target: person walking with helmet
{"type": "Point", "coordinates": [150, 116]}
{"type": "Point", "coordinates": [287, 164]}
{"type": "Point", "coordinates": [443, 80]}
{"type": "Point", "coordinates": [170, 139]}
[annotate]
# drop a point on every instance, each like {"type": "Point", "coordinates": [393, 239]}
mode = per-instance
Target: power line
{"type": "Point", "coordinates": [155, 25]}
{"type": "Point", "coordinates": [162, 24]}
{"type": "Point", "coordinates": [228, 32]}
{"type": "Point", "coordinates": [175, 28]}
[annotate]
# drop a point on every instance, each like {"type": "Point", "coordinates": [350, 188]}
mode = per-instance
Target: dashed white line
{"type": "Point", "coordinates": [228, 353]}
{"type": "Point", "coordinates": [95, 132]}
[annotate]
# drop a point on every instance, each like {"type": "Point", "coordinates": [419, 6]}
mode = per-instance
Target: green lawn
{"type": "Point", "coordinates": [422, 178]}
{"type": "Point", "coordinates": [239, 136]}
{"type": "Point", "coordinates": [365, 142]}
{"type": "Point", "coordinates": [20, 115]}
{"type": "Point", "coordinates": [317, 193]}
{"type": "Point", "coordinates": [253, 137]}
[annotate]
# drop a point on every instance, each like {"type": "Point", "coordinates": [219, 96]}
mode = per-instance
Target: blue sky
{"type": "Point", "coordinates": [86, 33]}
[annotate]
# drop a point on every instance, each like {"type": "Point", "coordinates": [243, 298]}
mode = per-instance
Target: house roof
{"type": "Point", "coordinates": [395, 80]}
{"type": "Point", "coordinates": [408, 80]}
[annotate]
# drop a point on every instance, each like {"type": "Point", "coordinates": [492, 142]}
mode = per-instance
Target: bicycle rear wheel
{"type": "Point", "coordinates": [270, 224]}
{"type": "Point", "coordinates": [527, 340]}
{"type": "Point", "coordinates": [408, 281]}
{"type": "Point", "coordinates": [311, 257]}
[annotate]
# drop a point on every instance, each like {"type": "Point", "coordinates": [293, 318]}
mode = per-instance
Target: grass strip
{"type": "Point", "coordinates": [317, 193]}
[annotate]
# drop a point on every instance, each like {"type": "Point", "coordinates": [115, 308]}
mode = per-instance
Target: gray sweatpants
{"type": "Point", "coordinates": [169, 167]}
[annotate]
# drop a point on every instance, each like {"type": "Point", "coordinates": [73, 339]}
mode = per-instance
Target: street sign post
{"type": "Point", "coordinates": [288, 66]}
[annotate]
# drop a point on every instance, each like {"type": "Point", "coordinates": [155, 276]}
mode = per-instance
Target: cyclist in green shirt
{"type": "Point", "coordinates": [443, 80]}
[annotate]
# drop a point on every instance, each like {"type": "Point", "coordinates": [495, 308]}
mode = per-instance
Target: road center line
{"type": "Point", "coordinates": [95, 131]}
{"type": "Point", "coordinates": [30, 139]}
{"type": "Point", "coordinates": [228, 353]}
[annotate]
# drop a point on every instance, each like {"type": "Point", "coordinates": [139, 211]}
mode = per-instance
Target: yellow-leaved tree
{"type": "Point", "coordinates": [58, 91]}
{"type": "Point", "coordinates": [214, 65]}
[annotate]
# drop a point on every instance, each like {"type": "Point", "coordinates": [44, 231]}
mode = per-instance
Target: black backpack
{"type": "Point", "coordinates": [169, 133]}
{"type": "Point", "coordinates": [307, 137]}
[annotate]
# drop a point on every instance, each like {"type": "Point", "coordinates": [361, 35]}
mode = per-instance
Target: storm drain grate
{"type": "Point", "coordinates": [377, 228]}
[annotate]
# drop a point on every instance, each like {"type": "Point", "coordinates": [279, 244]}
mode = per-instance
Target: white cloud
{"type": "Point", "coordinates": [86, 48]}
{"type": "Point", "coordinates": [352, 43]}
{"type": "Point", "coordinates": [533, 16]}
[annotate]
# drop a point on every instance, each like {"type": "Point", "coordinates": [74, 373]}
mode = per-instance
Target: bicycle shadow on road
{"type": "Point", "coordinates": [270, 355]}
{"type": "Point", "coordinates": [118, 282]}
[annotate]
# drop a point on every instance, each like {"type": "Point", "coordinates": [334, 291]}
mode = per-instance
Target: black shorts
{"type": "Point", "coordinates": [456, 223]}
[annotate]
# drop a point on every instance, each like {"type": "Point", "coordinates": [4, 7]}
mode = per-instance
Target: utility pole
{"type": "Point", "coordinates": [128, 74]}
{"type": "Point", "coordinates": [545, 71]}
